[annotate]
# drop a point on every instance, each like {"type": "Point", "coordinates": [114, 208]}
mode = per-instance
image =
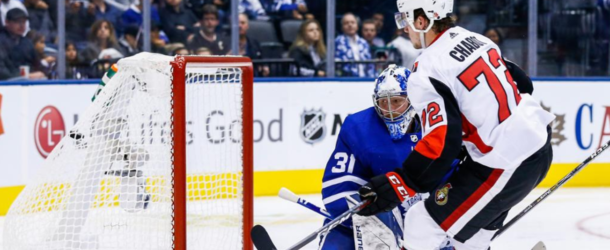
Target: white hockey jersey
{"type": "Point", "coordinates": [463, 92]}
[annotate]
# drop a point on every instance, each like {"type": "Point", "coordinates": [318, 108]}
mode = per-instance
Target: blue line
{"type": "Point", "coordinates": [293, 79]}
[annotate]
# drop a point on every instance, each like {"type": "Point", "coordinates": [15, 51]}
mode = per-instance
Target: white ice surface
{"type": "Point", "coordinates": [555, 221]}
{"type": "Point", "coordinates": [571, 218]}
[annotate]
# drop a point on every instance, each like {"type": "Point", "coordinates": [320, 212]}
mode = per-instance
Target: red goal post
{"type": "Point", "coordinates": [161, 156]}
{"type": "Point", "coordinates": [179, 123]}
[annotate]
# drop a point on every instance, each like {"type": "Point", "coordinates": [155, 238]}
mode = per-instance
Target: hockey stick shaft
{"type": "Point", "coordinates": [288, 195]}
{"type": "Point", "coordinates": [330, 225]}
{"type": "Point", "coordinates": [551, 190]}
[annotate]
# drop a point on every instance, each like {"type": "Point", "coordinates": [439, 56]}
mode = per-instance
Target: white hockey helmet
{"type": "Point", "coordinates": [434, 9]}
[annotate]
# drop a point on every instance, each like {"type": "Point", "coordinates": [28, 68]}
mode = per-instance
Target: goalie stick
{"type": "Point", "coordinates": [288, 195]}
{"type": "Point", "coordinates": [262, 241]}
{"type": "Point", "coordinates": [551, 190]}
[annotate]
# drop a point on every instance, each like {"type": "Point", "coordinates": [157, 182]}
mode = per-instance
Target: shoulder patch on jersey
{"type": "Point", "coordinates": [414, 138]}
{"type": "Point", "coordinates": [441, 196]}
{"type": "Point", "coordinates": [452, 35]}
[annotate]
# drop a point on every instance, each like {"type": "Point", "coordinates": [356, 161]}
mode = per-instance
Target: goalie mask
{"type": "Point", "coordinates": [391, 101]}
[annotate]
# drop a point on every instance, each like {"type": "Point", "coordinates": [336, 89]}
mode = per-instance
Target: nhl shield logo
{"type": "Point", "coordinates": [414, 138]}
{"type": "Point", "coordinates": [313, 128]}
{"type": "Point", "coordinates": [442, 194]}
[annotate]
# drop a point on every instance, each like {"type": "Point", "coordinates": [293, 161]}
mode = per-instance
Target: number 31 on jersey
{"type": "Point", "coordinates": [344, 162]}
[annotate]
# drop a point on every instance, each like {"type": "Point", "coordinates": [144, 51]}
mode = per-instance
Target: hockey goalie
{"type": "Point", "coordinates": [371, 142]}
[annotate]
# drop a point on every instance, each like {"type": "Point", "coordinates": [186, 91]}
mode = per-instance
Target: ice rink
{"type": "Point", "coordinates": [570, 219]}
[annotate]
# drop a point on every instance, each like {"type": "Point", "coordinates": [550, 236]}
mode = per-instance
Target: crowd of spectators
{"type": "Point", "coordinates": [99, 32]}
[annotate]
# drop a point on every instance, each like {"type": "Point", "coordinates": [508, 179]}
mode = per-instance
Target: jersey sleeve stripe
{"type": "Point", "coordinates": [337, 197]}
{"type": "Point", "coordinates": [472, 199]}
{"type": "Point", "coordinates": [444, 140]}
{"type": "Point", "coordinates": [342, 179]}
{"type": "Point", "coordinates": [434, 142]}
{"type": "Point", "coordinates": [426, 166]}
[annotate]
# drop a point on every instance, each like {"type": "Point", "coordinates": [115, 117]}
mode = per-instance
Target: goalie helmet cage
{"type": "Point", "coordinates": [161, 160]}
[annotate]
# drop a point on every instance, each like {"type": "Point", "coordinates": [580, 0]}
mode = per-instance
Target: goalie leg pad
{"type": "Point", "coordinates": [382, 231]}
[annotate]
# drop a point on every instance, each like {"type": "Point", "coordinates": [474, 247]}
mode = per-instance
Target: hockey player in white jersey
{"type": "Point", "coordinates": [465, 95]}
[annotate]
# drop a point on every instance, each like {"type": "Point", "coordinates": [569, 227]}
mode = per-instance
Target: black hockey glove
{"type": "Point", "coordinates": [387, 191]}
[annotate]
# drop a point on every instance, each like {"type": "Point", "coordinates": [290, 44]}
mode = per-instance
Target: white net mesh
{"type": "Point", "coordinates": [108, 184]}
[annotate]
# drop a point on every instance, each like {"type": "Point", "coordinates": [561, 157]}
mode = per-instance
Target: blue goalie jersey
{"type": "Point", "coordinates": [364, 149]}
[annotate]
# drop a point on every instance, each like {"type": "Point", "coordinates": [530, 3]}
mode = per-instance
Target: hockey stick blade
{"type": "Point", "coordinates": [261, 238]}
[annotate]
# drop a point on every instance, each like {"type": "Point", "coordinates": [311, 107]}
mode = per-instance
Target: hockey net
{"type": "Point", "coordinates": [160, 160]}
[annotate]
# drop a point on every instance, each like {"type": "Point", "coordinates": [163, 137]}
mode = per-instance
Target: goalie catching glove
{"type": "Point", "coordinates": [387, 191]}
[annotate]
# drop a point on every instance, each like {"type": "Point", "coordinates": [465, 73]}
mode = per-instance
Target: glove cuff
{"type": "Point", "coordinates": [402, 190]}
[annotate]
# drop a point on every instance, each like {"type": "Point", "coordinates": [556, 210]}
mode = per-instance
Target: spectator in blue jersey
{"type": "Point", "coordinates": [133, 15]}
{"type": "Point", "coordinates": [289, 9]}
{"type": "Point", "coordinates": [252, 8]}
{"type": "Point", "coordinates": [371, 142]}
{"type": "Point", "coordinates": [352, 48]}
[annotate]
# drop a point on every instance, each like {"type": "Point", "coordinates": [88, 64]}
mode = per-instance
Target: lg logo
{"type": "Point", "coordinates": [48, 131]}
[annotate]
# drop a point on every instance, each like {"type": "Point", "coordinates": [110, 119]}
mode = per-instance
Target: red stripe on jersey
{"type": "Point", "coordinates": [472, 199]}
{"type": "Point", "coordinates": [472, 135]}
{"type": "Point", "coordinates": [437, 37]}
{"type": "Point", "coordinates": [432, 145]}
